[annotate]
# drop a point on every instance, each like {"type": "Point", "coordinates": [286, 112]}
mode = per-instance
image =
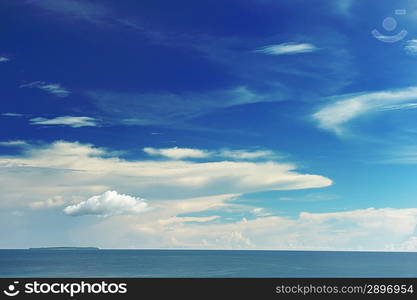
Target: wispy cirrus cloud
{"type": "Point", "coordinates": [406, 154]}
{"type": "Point", "coordinates": [287, 48]}
{"type": "Point", "coordinates": [343, 109]}
{"type": "Point", "coordinates": [4, 59]}
{"type": "Point", "coordinates": [83, 10]}
{"type": "Point", "coordinates": [14, 143]}
{"type": "Point", "coordinates": [55, 89]}
{"type": "Point", "coordinates": [10, 114]}
{"type": "Point", "coordinates": [169, 108]}
{"type": "Point", "coordinates": [247, 154]}
{"type": "Point", "coordinates": [75, 122]}
{"type": "Point", "coordinates": [411, 47]}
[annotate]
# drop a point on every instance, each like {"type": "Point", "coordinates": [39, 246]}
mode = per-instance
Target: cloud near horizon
{"type": "Point", "coordinates": [370, 229]}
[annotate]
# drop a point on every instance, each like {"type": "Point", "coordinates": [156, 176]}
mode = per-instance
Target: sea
{"type": "Point", "coordinates": [205, 264]}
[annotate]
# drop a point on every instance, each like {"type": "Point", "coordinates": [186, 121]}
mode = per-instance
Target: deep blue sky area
{"type": "Point", "coordinates": [209, 124]}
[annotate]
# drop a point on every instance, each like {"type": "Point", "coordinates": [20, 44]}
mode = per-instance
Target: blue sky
{"type": "Point", "coordinates": [230, 124]}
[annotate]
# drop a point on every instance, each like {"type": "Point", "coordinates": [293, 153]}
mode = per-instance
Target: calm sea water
{"type": "Point", "coordinates": [201, 263]}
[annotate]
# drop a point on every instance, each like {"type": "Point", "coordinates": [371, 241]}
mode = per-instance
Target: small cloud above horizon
{"type": "Point", "coordinates": [4, 59]}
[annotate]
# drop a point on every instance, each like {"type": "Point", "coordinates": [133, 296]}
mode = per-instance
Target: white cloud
{"type": "Point", "coordinates": [64, 167]}
{"type": "Point", "coordinates": [14, 143]}
{"type": "Point", "coordinates": [400, 106]}
{"type": "Point", "coordinates": [9, 114]}
{"type": "Point", "coordinates": [411, 47]}
{"type": "Point", "coordinates": [409, 245]}
{"type": "Point", "coordinates": [247, 155]}
{"type": "Point", "coordinates": [4, 59]}
{"type": "Point", "coordinates": [174, 220]}
{"type": "Point", "coordinates": [177, 153]}
{"type": "Point", "coordinates": [364, 229]}
{"type": "Point", "coordinates": [52, 88]}
{"type": "Point", "coordinates": [343, 109]}
{"type": "Point", "coordinates": [260, 212]}
{"type": "Point", "coordinates": [71, 121]}
{"type": "Point", "coordinates": [401, 155]}
{"type": "Point", "coordinates": [287, 48]}
{"type": "Point", "coordinates": [181, 153]}
{"type": "Point", "coordinates": [110, 203]}
{"type": "Point", "coordinates": [79, 170]}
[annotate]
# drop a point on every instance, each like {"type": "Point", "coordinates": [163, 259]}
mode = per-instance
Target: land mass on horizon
{"type": "Point", "coordinates": [65, 248]}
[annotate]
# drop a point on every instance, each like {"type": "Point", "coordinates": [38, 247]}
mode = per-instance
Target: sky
{"type": "Point", "coordinates": [253, 124]}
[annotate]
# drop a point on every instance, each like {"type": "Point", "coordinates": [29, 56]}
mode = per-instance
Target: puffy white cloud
{"type": "Point", "coordinates": [177, 153]}
{"type": "Point", "coordinates": [4, 59]}
{"type": "Point", "coordinates": [288, 48]}
{"type": "Point", "coordinates": [52, 88]}
{"type": "Point", "coordinates": [71, 121]}
{"type": "Point", "coordinates": [107, 204]}
{"type": "Point", "coordinates": [343, 109]}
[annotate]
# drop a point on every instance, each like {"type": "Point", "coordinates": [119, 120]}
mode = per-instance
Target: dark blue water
{"type": "Point", "coordinates": [201, 263]}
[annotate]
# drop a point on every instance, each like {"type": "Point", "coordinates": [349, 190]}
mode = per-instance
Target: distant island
{"type": "Point", "coordinates": [65, 248]}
